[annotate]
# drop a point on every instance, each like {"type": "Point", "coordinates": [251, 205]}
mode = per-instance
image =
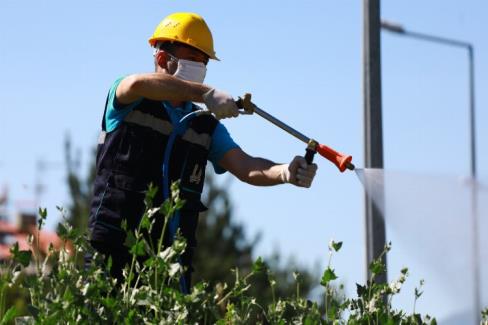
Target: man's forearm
{"type": "Point", "coordinates": [265, 173]}
{"type": "Point", "coordinates": [252, 170]}
{"type": "Point", "coordinates": [159, 86]}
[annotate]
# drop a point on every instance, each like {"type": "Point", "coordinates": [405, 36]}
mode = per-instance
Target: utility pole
{"type": "Point", "coordinates": [39, 187]}
{"type": "Point", "coordinates": [373, 128]}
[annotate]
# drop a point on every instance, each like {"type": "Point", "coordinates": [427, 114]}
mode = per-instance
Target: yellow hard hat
{"type": "Point", "coordinates": [187, 28]}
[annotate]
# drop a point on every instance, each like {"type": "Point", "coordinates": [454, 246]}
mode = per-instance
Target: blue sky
{"type": "Point", "coordinates": [303, 63]}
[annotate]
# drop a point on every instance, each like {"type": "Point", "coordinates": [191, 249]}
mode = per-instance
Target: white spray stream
{"type": "Point", "coordinates": [441, 221]}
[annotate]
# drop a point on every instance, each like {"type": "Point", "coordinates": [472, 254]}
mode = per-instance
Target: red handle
{"type": "Point", "coordinates": [339, 159]}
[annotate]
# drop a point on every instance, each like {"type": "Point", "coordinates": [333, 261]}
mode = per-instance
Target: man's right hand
{"type": "Point", "coordinates": [298, 172]}
{"type": "Point", "coordinates": [221, 104]}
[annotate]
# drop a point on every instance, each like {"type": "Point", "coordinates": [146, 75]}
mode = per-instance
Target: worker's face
{"type": "Point", "coordinates": [170, 60]}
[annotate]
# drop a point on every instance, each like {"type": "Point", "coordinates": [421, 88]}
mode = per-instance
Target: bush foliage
{"type": "Point", "coordinates": [68, 293]}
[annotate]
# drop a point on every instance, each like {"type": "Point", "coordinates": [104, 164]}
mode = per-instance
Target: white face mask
{"type": "Point", "coordinates": [190, 71]}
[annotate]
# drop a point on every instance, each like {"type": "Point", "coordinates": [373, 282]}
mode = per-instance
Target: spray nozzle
{"type": "Point", "coordinates": [342, 161]}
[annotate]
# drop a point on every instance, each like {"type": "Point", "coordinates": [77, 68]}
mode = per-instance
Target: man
{"type": "Point", "coordinates": [151, 134]}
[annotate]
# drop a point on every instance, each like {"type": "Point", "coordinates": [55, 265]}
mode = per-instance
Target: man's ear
{"type": "Point", "coordinates": [162, 59]}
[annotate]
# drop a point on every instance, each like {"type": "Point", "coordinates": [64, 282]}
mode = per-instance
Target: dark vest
{"type": "Point", "coordinates": [131, 157]}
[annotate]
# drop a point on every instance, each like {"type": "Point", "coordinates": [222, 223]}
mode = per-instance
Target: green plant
{"type": "Point", "coordinates": [9, 278]}
{"type": "Point", "coordinates": [68, 293]}
{"type": "Point", "coordinates": [223, 243]}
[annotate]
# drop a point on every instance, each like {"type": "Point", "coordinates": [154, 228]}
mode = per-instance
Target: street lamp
{"type": "Point", "coordinates": [400, 30]}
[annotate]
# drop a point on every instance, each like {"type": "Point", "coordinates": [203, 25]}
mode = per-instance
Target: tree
{"type": "Point", "coordinates": [80, 189]}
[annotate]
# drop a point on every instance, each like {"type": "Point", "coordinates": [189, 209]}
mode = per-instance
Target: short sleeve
{"type": "Point", "coordinates": [115, 111]}
{"type": "Point", "coordinates": [221, 143]}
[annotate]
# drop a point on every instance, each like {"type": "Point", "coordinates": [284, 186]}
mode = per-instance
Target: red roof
{"type": "Point", "coordinates": [6, 227]}
{"type": "Point", "coordinates": [16, 235]}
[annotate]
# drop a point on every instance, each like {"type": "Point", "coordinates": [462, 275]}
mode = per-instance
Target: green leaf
{"type": "Point", "coordinates": [14, 249]}
{"type": "Point", "coordinates": [258, 266]}
{"type": "Point", "coordinates": [337, 246]}
{"type": "Point", "coordinates": [376, 267]}
{"type": "Point", "coordinates": [308, 321]}
{"type": "Point", "coordinates": [42, 217]}
{"type": "Point", "coordinates": [145, 222]}
{"type": "Point", "coordinates": [130, 239]}
{"type": "Point", "coordinates": [418, 293]}
{"type": "Point", "coordinates": [179, 203]}
{"type": "Point", "coordinates": [361, 290]}
{"type": "Point", "coordinates": [331, 313]}
{"type": "Point", "coordinates": [328, 276]}
{"type": "Point", "coordinates": [386, 319]}
{"type": "Point", "coordinates": [166, 208]}
{"type": "Point", "coordinates": [418, 318]}
{"type": "Point", "coordinates": [62, 231]}
{"type": "Point", "coordinates": [175, 189]}
{"type": "Point", "coordinates": [42, 213]}
{"type": "Point", "coordinates": [109, 302]}
{"type": "Point", "coordinates": [297, 276]}
{"type": "Point", "coordinates": [129, 319]}
{"type": "Point", "coordinates": [22, 257]}
{"type": "Point", "coordinates": [109, 263]}
{"type": "Point", "coordinates": [68, 296]}
{"type": "Point", "coordinates": [150, 195]}
{"type": "Point", "coordinates": [9, 315]}
{"type": "Point", "coordinates": [150, 262]}
{"type": "Point", "coordinates": [138, 248]}
{"type": "Point", "coordinates": [123, 224]}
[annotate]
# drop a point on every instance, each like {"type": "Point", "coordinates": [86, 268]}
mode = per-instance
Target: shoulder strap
{"type": "Point", "coordinates": [204, 124]}
{"type": "Point", "coordinates": [104, 127]}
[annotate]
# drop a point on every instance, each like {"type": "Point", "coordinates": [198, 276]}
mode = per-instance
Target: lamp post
{"type": "Point", "coordinates": [400, 30]}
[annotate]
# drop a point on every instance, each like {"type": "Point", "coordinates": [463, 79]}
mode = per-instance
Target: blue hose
{"type": "Point", "coordinates": [174, 222]}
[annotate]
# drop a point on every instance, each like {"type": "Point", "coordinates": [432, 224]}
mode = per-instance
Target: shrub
{"type": "Point", "coordinates": [150, 293]}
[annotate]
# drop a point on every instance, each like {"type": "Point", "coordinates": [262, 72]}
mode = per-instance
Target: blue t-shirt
{"type": "Point", "coordinates": [221, 140]}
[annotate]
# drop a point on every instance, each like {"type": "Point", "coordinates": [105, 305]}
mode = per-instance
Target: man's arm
{"type": "Point", "coordinates": [262, 172]}
{"type": "Point", "coordinates": [162, 86]}
{"type": "Point", "coordinates": [159, 86]}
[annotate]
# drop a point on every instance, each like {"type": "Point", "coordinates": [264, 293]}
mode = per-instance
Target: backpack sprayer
{"type": "Point", "coordinates": [342, 161]}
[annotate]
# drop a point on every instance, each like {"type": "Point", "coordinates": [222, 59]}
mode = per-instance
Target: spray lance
{"type": "Point", "coordinates": [342, 161]}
